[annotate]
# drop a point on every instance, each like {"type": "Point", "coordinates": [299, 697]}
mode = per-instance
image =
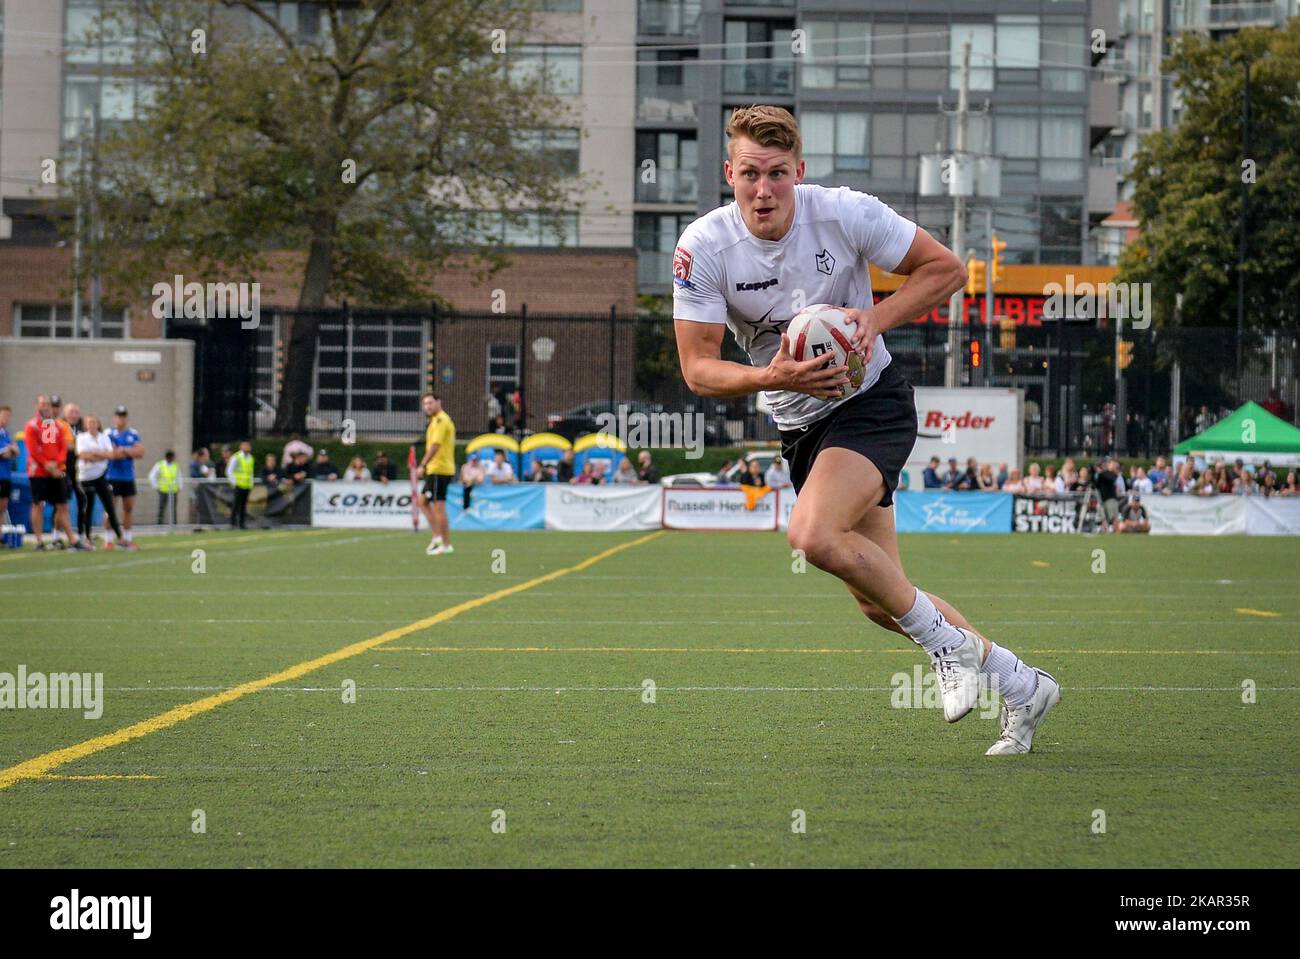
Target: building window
{"type": "Point", "coordinates": [837, 55]}
{"type": "Point", "coordinates": [656, 238]}
{"type": "Point", "coordinates": [666, 167]}
{"type": "Point", "coordinates": [562, 6]}
{"type": "Point", "coordinates": [668, 18]}
{"type": "Point", "coordinates": [502, 367]}
{"type": "Point", "coordinates": [1064, 43]}
{"type": "Point", "coordinates": [1064, 149]}
{"type": "Point", "coordinates": [555, 146]}
{"type": "Point", "coordinates": [835, 143]}
{"type": "Point", "coordinates": [765, 58]}
{"type": "Point", "coordinates": [981, 37]}
{"type": "Point", "coordinates": [1017, 49]}
{"type": "Point", "coordinates": [667, 86]}
{"type": "Point", "coordinates": [42, 321]}
{"type": "Point", "coordinates": [369, 365]}
{"type": "Point", "coordinates": [557, 68]}
{"type": "Point", "coordinates": [1061, 225]}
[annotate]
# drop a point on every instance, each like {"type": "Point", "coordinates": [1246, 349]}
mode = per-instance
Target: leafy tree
{"type": "Point", "coordinates": [357, 142]}
{"type": "Point", "coordinates": [1187, 195]}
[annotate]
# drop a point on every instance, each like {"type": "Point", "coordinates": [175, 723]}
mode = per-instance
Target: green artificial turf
{"type": "Point", "coordinates": [772, 694]}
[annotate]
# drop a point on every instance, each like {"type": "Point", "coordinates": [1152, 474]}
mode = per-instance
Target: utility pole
{"type": "Point", "coordinates": [96, 230]}
{"type": "Point", "coordinates": [988, 303]}
{"type": "Point", "coordinates": [1121, 401]}
{"type": "Point", "coordinates": [957, 304]}
{"type": "Point", "coordinates": [1241, 224]}
{"type": "Point", "coordinates": [77, 273]}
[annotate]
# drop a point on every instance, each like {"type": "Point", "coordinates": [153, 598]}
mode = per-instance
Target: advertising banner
{"type": "Point", "coordinates": [984, 423]}
{"type": "Point", "coordinates": [1196, 515]}
{"type": "Point", "coordinates": [508, 506]}
{"type": "Point", "coordinates": [214, 500]}
{"type": "Point", "coordinates": [603, 507]}
{"type": "Point", "coordinates": [1273, 515]}
{"type": "Point", "coordinates": [1042, 514]}
{"type": "Point", "coordinates": [361, 504]}
{"type": "Point", "coordinates": [948, 512]}
{"type": "Point", "coordinates": [717, 508]}
{"type": "Point", "coordinates": [784, 506]}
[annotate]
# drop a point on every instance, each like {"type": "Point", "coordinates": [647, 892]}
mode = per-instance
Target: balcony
{"type": "Point", "coordinates": [1103, 189]}
{"type": "Point", "coordinates": [1103, 105]}
{"type": "Point", "coordinates": [668, 18]}
{"type": "Point", "coordinates": [666, 104]}
{"type": "Point", "coordinates": [1202, 15]}
{"type": "Point", "coordinates": [669, 186]}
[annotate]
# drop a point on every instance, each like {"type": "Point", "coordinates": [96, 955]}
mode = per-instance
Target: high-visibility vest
{"type": "Point", "coordinates": [168, 477]}
{"type": "Point", "coordinates": [243, 466]}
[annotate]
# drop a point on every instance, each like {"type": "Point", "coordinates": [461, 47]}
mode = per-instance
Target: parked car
{"type": "Point", "coordinates": [689, 479]}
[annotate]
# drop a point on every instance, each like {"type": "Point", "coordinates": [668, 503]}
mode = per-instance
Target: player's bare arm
{"type": "Point", "coordinates": [933, 274]}
{"type": "Point", "coordinates": [699, 350]}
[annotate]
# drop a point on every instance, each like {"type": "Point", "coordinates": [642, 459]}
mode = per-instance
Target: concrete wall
{"type": "Point", "coordinates": [153, 379]}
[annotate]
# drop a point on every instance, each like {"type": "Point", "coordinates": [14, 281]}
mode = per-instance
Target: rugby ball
{"type": "Point", "coordinates": [824, 330]}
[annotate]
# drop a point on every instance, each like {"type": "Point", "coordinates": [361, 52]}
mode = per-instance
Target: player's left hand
{"type": "Point", "coordinates": [864, 332]}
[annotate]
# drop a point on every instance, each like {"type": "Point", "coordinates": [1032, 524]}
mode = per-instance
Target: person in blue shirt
{"type": "Point", "coordinates": [930, 477]}
{"type": "Point", "coordinates": [127, 448]}
{"type": "Point", "coordinates": [8, 457]}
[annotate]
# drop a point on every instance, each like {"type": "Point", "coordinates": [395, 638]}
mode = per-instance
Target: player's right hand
{"type": "Point", "coordinates": [810, 376]}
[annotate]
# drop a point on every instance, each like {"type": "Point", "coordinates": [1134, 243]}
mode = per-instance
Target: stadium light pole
{"type": "Point", "coordinates": [957, 303]}
{"type": "Point", "coordinates": [1241, 226]}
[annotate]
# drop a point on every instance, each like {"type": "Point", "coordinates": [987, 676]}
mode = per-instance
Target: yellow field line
{"type": "Point", "coordinates": [1267, 614]}
{"type": "Point", "coordinates": [813, 650]}
{"type": "Point", "coordinates": [42, 765]}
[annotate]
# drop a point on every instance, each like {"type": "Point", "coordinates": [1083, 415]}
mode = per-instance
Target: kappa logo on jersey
{"type": "Point", "coordinates": [825, 262]}
{"type": "Point", "coordinates": [682, 260]}
{"type": "Point", "coordinates": [758, 286]}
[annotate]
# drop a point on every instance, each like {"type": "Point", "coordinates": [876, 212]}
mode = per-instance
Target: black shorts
{"type": "Point", "coordinates": [435, 487]}
{"type": "Point", "coordinates": [122, 487]}
{"type": "Point", "coordinates": [880, 424]}
{"type": "Point", "coordinates": [6, 487]}
{"type": "Point", "coordinates": [49, 489]}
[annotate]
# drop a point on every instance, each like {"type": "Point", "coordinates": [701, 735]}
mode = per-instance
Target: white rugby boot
{"type": "Point", "coordinates": [1019, 722]}
{"type": "Point", "coordinates": [958, 668]}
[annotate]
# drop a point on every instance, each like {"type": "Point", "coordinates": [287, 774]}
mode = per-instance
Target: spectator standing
{"type": "Point", "coordinates": [357, 471]}
{"type": "Point", "coordinates": [588, 476]}
{"type": "Point", "coordinates": [223, 462]}
{"type": "Point", "coordinates": [200, 464]}
{"type": "Point", "coordinates": [987, 482]}
{"type": "Point", "coordinates": [1108, 491]}
{"type": "Point", "coordinates": [299, 471]}
{"type": "Point", "coordinates": [930, 477]}
{"type": "Point", "coordinates": [952, 477]}
{"type": "Point", "coordinates": [47, 458]}
{"type": "Point", "coordinates": [240, 474]}
{"type": "Point", "coordinates": [270, 474]}
{"type": "Point", "coordinates": [383, 470]}
{"type": "Point", "coordinates": [1291, 487]}
{"type": "Point", "coordinates": [69, 417]}
{"type": "Point", "coordinates": [165, 477]}
{"type": "Point", "coordinates": [293, 448]}
{"type": "Point", "coordinates": [1142, 484]}
{"type": "Point", "coordinates": [499, 471]}
{"type": "Point", "coordinates": [121, 473]}
{"type": "Point", "coordinates": [324, 469]}
{"type": "Point", "coordinates": [777, 476]}
{"type": "Point", "coordinates": [94, 453]}
{"type": "Point", "coordinates": [647, 472]}
{"type": "Point", "coordinates": [970, 479]}
{"type": "Point", "coordinates": [564, 472]}
{"type": "Point", "coordinates": [542, 473]}
{"type": "Point", "coordinates": [471, 475]}
{"type": "Point", "coordinates": [1013, 484]}
{"type": "Point", "coordinates": [1002, 475]}
{"type": "Point", "coordinates": [8, 457]}
{"type": "Point", "coordinates": [1159, 475]}
{"type": "Point", "coordinates": [625, 473]}
{"type": "Point", "coordinates": [753, 476]}
{"type": "Point", "coordinates": [1035, 485]}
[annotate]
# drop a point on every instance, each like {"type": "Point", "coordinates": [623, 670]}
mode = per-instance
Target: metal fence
{"type": "Point", "coordinates": [526, 372]}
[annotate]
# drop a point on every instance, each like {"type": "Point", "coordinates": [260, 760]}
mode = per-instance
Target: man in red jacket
{"type": "Point", "coordinates": [47, 457]}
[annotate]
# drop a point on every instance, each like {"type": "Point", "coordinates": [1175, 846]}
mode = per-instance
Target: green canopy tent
{"type": "Point", "coordinates": [1252, 435]}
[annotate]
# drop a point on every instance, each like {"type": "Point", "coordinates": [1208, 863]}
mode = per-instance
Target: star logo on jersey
{"type": "Point", "coordinates": [764, 324]}
{"type": "Point", "coordinates": [825, 262]}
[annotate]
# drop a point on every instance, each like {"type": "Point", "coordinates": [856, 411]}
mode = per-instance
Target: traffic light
{"type": "Point", "coordinates": [996, 263]}
{"type": "Point", "coordinates": [974, 276]}
{"type": "Point", "coordinates": [975, 354]}
{"type": "Point", "coordinates": [1125, 353]}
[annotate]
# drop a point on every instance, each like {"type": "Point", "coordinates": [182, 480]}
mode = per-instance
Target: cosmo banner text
{"type": "Point", "coordinates": [361, 504]}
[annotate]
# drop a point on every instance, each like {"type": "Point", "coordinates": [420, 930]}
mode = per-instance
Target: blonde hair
{"type": "Point", "coordinates": [767, 126]}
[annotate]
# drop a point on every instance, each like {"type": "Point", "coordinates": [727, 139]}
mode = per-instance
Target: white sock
{"type": "Point", "coordinates": [435, 541]}
{"type": "Point", "coordinates": [1016, 682]}
{"type": "Point", "coordinates": [109, 536]}
{"type": "Point", "coordinates": [126, 536]}
{"type": "Point", "coordinates": [927, 626]}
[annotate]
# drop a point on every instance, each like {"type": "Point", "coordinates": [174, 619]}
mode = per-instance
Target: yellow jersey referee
{"type": "Point", "coordinates": [438, 468]}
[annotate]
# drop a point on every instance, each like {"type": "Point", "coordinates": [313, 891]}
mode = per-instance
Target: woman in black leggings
{"type": "Point", "coordinates": [94, 450]}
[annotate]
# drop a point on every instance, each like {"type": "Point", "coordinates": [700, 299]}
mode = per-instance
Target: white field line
{"type": "Point", "coordinates": [669, 689]}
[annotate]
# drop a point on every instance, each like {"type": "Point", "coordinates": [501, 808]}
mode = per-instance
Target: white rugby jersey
{"type": "Point", "coordinates": [722, 273]}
